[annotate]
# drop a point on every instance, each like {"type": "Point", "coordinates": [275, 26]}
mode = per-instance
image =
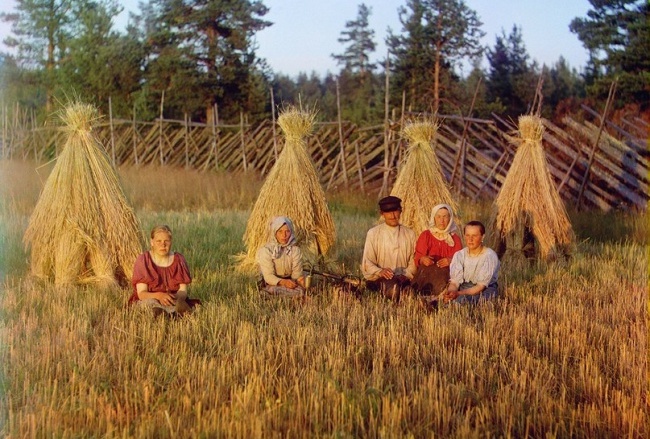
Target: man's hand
{"type": "Point", "coordinates": [386, 273]}
{"type": "Point", "coordinates": [288, 283]}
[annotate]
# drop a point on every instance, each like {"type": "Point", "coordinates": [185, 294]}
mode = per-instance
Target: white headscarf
{"type": "Point", "coordinates": [276, 247]}
{"type": "Point", "coordinates": [443, 235]}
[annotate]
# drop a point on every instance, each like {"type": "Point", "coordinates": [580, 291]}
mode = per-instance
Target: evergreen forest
{"type": "Point", "coordinates": [198, 58]}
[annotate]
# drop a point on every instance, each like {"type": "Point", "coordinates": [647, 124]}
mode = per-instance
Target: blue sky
{"type": "Point", "coordinates": [305, 32]}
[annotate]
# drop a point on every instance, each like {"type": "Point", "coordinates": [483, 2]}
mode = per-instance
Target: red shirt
{"type": "Point", "coordinates": [429, 245]}
{"type": "Point", "coordinates": [159, 279]}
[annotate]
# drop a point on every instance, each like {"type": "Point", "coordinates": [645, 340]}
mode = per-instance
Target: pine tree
{"type": "Point", "coordinates": [215, 38]}
{"type": "Point", "coordinates": [436, 35]}
{"type": "Point", "coordinates": [41, 31]}
{"type": "Point", "coordinates": [95, 66]}
{"type": "Point", "coordinates": [357, 84]}
{"type": "Point", "coordinates": [360, 44]}
{"type": "Point", "coordinates": [617, 35]}
{"type": "Point", "coordinates": [562, 87]}
{"type": "Point", "coordinates": [511, 79]}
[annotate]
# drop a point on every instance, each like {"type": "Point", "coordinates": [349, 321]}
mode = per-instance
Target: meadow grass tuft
{"type": "Point", "coordinates": [562, 353]}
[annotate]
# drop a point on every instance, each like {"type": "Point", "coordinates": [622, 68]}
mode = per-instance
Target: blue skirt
{"type": "Point", "coordinates": [490, 292]}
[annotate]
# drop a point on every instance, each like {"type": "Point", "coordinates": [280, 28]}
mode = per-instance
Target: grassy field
{"type": "Point", "coordinates": [563, 353]}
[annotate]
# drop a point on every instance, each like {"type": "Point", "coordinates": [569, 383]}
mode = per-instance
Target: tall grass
{"type": "Point", "coordinates": [160, 189]}
{"type": "Point", "coordinates": [562, 354]}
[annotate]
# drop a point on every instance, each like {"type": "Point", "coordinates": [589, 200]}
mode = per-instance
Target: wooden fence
{"type": "Point", "coordinates": [591, 166]}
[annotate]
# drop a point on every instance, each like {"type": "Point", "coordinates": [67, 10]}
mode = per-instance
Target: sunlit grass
{"type": "Point", "coordinates": [562, 354]}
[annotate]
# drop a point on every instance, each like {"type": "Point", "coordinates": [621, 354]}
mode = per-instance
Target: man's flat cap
{"type": "Point", "coordinates": [390, 204]}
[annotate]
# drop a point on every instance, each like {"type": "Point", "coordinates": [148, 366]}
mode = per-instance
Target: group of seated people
{"type": "Point", "coordinates": [434, 265]}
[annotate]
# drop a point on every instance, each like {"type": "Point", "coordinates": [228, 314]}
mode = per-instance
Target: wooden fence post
{"type": "Point", "coordinates": [460, 156]}
{"type": "Point", "coordinates": [610, 98]}
{"type": "Point", "coordinates": [275, 141]}
{"type": "Point", "coordinates": [4, 130]}
{"type": "Point", "coordinates": [384, 183]}
{"type": "Point", "coordinates": [33, 123]}
{"type": "Point", "coordinates": [401, 126]}
{"type": "Point", "coordinates": [493, 171]}
{"type": "Point", "coordinates": [359, 171]}
{"type": "Point", "coordinates": [243, 140]}
{"type": "Point", "coordinates": [134, 138]}
{"type": "Point", "coordinates": [186, 138]}
{"type": "Point", "coordinates": [344, 168]}
{"type": "Point", "coordinates": [216, 135]}
{"type": "Point", "coordinates": [160, 132]}
{"type": "Point", "coordinates": [110, 123]}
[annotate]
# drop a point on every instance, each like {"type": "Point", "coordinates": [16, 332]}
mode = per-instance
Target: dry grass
{"type": "Point", "coordinates": [160, 188]}
{"type": "Point", "coordinates": [563, 354]}
{"type": "Point", "coordinates": [291, 189]}
{"type": "Point", "coordinates": [82, 228]}
{"type": "Point", "coordinates": [528, 199]}
{"type": "Point", "coordinates": [420, 183]}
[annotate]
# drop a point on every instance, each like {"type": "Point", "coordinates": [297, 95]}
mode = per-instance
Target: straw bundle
{"type": "Point", "coordinates": [292, 189]}
{"type": "Point", "coordinates": [82, 228]}
{"type": "Point", "coordinates": [420, 182]}
{"type": "Point", "coordinates": [528, 202]}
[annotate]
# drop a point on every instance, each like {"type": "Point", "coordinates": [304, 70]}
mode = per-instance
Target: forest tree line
{"type": "Point", "coordinates": [198, 56]}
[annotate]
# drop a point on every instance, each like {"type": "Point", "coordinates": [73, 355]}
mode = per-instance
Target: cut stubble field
{"type": "Point", "coordinates": [562, 352]}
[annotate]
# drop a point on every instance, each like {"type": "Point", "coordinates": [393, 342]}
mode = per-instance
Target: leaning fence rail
{"type": "Point", "coordinates": [361, 158]}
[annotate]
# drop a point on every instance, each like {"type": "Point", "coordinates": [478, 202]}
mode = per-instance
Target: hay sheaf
{"type": "Point", "coordinates": [292, 188]}
{"type": "Point", "coordinates": [420, 182]}
{"type": "Point", "coordinates": [82, 228]}
{"type": "Point", "coordinates": [528, 198]}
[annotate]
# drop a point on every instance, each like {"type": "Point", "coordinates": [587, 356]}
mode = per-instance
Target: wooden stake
{"type": "Point", "coordinates": [160, 132]}
{"type": "Point", "coordinates": [536, 106]}
{"type": "Point", "coordinates": [213, 144]}
{"type": "Point", "coordinates": [461, 150]}
{"type": "Point", "coordinates": [135, 142]}
{"type": "Point", "coordinates": [275, 140]}
{"type": "Point", "coordinates": [610, 98]}
{"type": "Point", "coordinates": [359, 170]}
{"type": "Point", "coordinates": [344, 169]}
{"type": "Point", "coordinates": [401, 125]}
{"type": "Point", "coordinates": [333, 173]}
{"type": "Point", "coordinates": [568, 172]}
{"type": "Point", "coordinates": [186, 136]}
{"type": "Point", "coordinates": [492, 172]}
{"type": "Point", "coordinates": [112, 131]}
{"type": "Point", "coordinates": [243, 140]}
{"type": "Point", "coordinates": [4, 131]}
{"type": "Point", "coordinates": [384, 184]}
{"type": "Point", "coordinates": [217, 134]}
{"type": "Point", "coordinates": [37, 156]}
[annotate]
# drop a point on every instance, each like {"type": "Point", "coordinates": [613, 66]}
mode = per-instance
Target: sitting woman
{"type": "Point", "coordinates": [161, 276]}
{"type": "Point", "coordinates": [474, 269]}
{"type": "Point", "coordinates": [280, 261]}
{"type": "Point", "coordinates": [434, 249]}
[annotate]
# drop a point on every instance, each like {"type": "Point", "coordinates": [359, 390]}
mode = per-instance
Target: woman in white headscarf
{"type": "Point", "coordinates": [434, 250]}
{"type": "Point", "coordinates": [280, 260]}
